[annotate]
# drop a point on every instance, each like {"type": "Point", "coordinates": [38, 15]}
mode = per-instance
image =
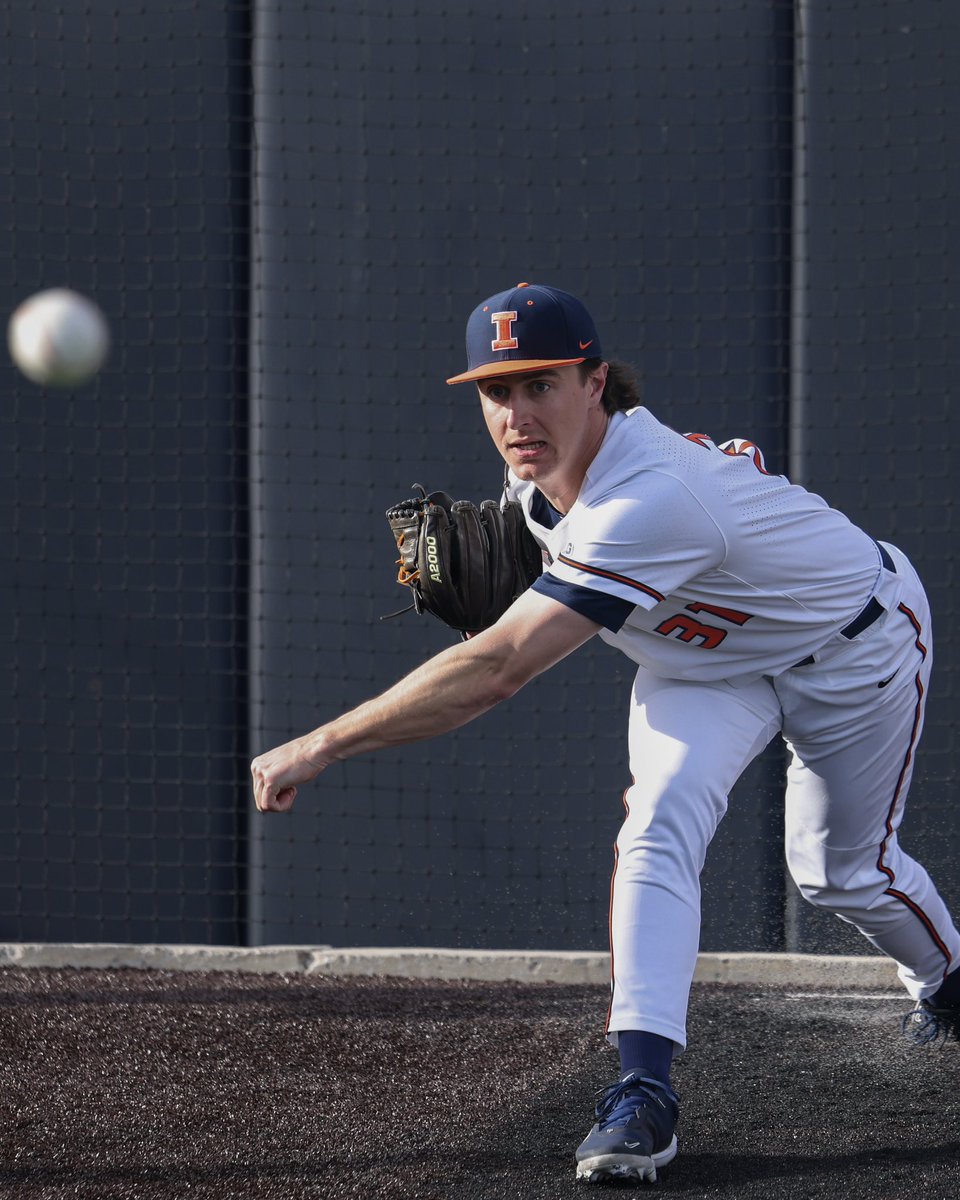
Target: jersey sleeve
{"type": "Point", "coordinates": [638, 544]}
{"type": "Point", "coordinates": [607, 610]}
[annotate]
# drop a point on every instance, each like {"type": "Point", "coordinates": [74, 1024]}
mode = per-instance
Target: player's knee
{"type": "Point", "coordinates": [679, 797]}
{"type": "Point", "coordinates": [674, 822]}
{"type": "Point", "coordinates": [842, 882]}
{"type": "Point", "coordinates": [821, 896]}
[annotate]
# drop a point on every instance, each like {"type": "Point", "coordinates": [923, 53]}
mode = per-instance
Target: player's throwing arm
{"type": "Point", "coordinates": [449, 690]}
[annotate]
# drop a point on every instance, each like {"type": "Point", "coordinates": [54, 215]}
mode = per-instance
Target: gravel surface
{"type": "Point", "coordinates": [148, 1084]}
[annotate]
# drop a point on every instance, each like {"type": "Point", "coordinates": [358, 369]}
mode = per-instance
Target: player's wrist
{"type": "Point", "coordinates": [318, 749]}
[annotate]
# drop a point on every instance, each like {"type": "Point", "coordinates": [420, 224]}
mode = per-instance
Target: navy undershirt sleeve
{"type": "Point", "coordinates": [608, 611]}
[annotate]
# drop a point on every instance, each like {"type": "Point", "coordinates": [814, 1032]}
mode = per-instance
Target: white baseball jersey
{"type": "Point", "coordinates": [718, 578]}
{"type": "Point", "coordinates": [699, 564]}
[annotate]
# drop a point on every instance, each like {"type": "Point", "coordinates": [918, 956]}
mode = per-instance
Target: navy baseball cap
{"type": "Point", "coordinates": [527, 328]}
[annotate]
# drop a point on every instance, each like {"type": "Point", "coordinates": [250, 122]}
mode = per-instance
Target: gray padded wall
{"type": "Point", "coordinates": [874, 422]}
{"type": "Point", "coordinates": [409, 161]}
{"type": "Point", "coordinates": [124, 529]}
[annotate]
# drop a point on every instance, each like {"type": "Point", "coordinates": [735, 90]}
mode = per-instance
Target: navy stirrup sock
{"type": "Point", "coordinates": [647, 1052]}
{"type": "Point", "coordinates": [948, 992]}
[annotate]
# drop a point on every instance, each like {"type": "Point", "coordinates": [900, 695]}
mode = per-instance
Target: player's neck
{"type": "Point", "coordinates": [553, 503]}
{"type": "Point", "coordinates": [562, 487]}
{"type": "Point", "coordinates": [561, 502]}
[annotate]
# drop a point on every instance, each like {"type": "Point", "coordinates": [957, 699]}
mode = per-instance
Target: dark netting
{"type": "Point", "coordinates": [125, 176]}
{"type": "Point", "coordinates": [287, 212]}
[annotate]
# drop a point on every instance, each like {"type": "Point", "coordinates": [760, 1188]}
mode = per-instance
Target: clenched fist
{"type": "Point", "coordinates": [277, 773]}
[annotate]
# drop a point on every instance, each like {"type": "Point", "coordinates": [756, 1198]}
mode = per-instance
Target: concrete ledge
{"type": "Point", "coordinates": [265, 960]}
{"type": "Point", "coordinates": [799, 970]}
{"type": "Point", "coordinates": [524, 966]}
{"type": "Point", "coordinates": [530, 966]}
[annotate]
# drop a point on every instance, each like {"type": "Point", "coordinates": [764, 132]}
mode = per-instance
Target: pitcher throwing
{"type": "Point", "coordinates": [751, 608]}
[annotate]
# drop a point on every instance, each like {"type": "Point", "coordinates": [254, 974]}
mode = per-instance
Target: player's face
{"type": "Point", "coordinates": [548, 425]}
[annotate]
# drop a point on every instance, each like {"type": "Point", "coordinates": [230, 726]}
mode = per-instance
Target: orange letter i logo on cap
{"type": "Point", "coordinates": [505, 339]}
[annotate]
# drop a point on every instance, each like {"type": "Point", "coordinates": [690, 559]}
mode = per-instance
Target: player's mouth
{"type": "Point", "coordinates": [527, 450]}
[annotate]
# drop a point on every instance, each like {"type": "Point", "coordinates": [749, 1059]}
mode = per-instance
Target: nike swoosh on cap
{"type": "Point", "coordinates": [584, 345]}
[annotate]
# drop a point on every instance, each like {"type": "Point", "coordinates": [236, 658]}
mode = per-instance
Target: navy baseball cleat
{"type": "Point", "coordinates": [932, 1022]}
{"type": "Point", "coordinates": [633, 1135]}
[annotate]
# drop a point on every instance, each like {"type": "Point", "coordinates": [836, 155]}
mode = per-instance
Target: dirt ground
{"type": "Point", "coordinates": [149, 1084]}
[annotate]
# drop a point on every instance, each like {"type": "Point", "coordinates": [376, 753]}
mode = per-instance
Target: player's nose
{"type": "Point", "coordinates": [517, 413]}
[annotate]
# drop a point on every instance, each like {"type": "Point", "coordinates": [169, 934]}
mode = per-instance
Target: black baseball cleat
{"type": "Point", "coordinates": [633, 1135]}
{"type": "Point", "coordinates": [932, 1022]}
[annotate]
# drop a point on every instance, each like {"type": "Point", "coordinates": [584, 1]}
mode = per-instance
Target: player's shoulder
{"type": "Point", "coordinates": [628, 447]}
{"type": "Point", "coordinates": [737, 447]}
{"type": "Point", "coordinates": [639, 451]}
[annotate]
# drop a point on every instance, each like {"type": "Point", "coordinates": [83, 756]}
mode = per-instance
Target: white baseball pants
{"type": "Point", "coordinates": [852, 746]}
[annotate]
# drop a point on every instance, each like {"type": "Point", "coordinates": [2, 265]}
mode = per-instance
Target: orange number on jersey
{"type": "Point", "coordinates": [687, 629]}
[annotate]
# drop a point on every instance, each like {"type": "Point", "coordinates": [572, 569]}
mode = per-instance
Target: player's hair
{"type": "Point", "coordinates": [622, 390]}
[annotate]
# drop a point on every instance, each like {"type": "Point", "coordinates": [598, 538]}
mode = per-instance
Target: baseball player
{"type": "Point", "coordinates": [750, 608]}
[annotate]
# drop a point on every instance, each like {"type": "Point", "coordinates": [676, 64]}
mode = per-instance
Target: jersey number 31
{"type": "Point", "coordinates": [688, 629]}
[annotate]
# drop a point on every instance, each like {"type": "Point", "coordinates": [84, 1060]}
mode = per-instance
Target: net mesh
{"type": "Point", "coordinates": [287, 212]}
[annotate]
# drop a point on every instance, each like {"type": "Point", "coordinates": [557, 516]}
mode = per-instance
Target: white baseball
{"type": "Point", "coordinates": [58, 338]}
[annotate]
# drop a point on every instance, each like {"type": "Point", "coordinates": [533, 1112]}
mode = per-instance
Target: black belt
{"type": "Point", "coordinates": [867, 615]}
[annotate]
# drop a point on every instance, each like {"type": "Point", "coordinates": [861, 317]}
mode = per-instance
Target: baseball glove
{"type": "Point", "coordinates": [465, 565]}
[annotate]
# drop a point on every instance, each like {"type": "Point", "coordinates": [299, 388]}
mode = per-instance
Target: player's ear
{"type": "Point", "coordinates": [597, 380]}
